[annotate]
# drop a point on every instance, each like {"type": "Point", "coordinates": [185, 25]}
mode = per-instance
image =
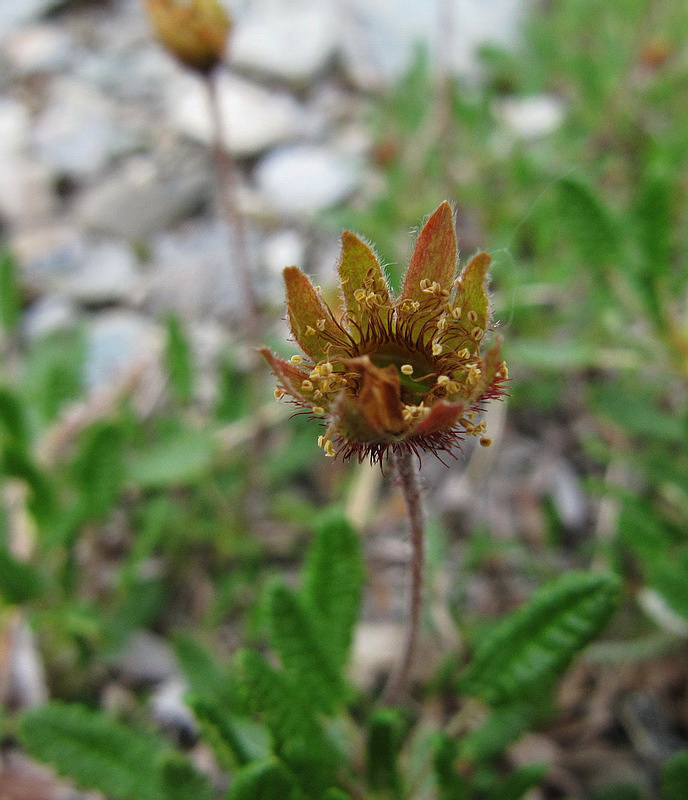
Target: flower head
{"type": "Point", "coordinates": [394, 374]}
{"type": "Point", "coordinates": [193, 31]}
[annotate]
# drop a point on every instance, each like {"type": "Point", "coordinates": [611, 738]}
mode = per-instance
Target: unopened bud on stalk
{"type": "Point", "coordinates": [193, 31]}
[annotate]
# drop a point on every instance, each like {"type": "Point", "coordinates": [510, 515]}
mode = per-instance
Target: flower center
{"type": "Point", "coordinates": [415, 382]}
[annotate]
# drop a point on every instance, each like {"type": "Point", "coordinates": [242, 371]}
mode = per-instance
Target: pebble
{"type": "Point", "coordinates": [147, 659]}
{"type": "Point", "coordinates": [304, 179]}
{"type": "Point", "coordinates": [281, 249]}
{"type": "Point", "coordinates": [27, 195]}
{"type": "Point", "coordinates": [77, 133]}
{"type": "Point", "coordinates": [40, 48]}
{"type": "Point", "coordinates": [48, 314]}
{"type": "Point", "coordinates": [15, 128]}
{"type": "Point", "coordinates": [147, 193]}
{"type": "Point", "coordinates": [255, 118]}
{"type": "Point", "coordinates": [292, 43]}
{"type": "Point", "coordinates": [531, 117]}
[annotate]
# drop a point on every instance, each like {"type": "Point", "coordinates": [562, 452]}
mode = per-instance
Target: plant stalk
{"type": "Point", "coordinates": [410, 486]}
{"type": "Point", "coordinates": [227, 199]}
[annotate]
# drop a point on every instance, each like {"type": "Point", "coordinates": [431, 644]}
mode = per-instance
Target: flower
{"type": "Point", "coordinates": [194, 31]}
{"type": "Point", "coordinates": [394, 374]}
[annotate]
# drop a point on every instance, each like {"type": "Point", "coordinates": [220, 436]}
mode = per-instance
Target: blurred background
{"type": "Point", "coordinates": [129, 407]}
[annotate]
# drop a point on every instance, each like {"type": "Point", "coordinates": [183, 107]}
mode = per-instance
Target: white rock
{"type": "Point", "coordinates": [41, 48]}
{"type": "Point", "coordinates": [14, 128]}
{"type": "Point", "coordinates": [26, 191]}
{"type": "Point", "coordinates": [282, 249]}
{"type": "Point", "coordinates": [531, 117]}
{"type": "Point", "coordinates": [254, 118]}
{"type": "Point", "coordinates": [304, 179]}
{"type": "Point", "coordinates": [47, 315]}
{"type": "Point", "coordinates": [77, 132]}
{"type": "Point", "coordinates": [292, 42]}
{"type": "Point", "coordinates": [107, 273]}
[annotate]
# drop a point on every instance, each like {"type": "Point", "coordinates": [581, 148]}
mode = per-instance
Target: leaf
{"type": "Point", "coordinates": [10, 296]}
{"type": "Point", "coordinates": [333, 579]}
{"type": "Point", "coordinates": [13, 423]}
{"type": "Point", "coordinates": [263, 780]}
{"type": "Point", "coordinates": [93, 750]}
{"type": "Point", "coordinates": [302, 653]}
{"type": "Point", "coordinates": [528, 650]}
{"type": "Point", "coordinates": [18, 464]}
{"type": "Point", "coordinates": [246, 740]}
{"type": "Point", "coordinates": [669, 576]}
{"type": "Point", "coordinates": [434, 257]}
{"type": "Point", "coordinates": [203, 675]}
{"type": "Point", "coordinates": [178, 360]}
{"type": "Point", "coordinates": [588, 224]}
{"type": "Point", "coordinates": [19, 582]}
{"type": "Point", "coordinates": [675, 777]}
{"type": "Point", "coordinates": [515, 786]}
{"type": "Point", "coordinates": [450, 784]}
{"type": "Point", "coordinates": [385, 737]}
{"type": "Point", "coordinates": [180, 459]}
{"type": "Point", "coordinates": [181, 780]}
{"type": "Point", "coordinates": [503, 726]}
{"type": "Point", "coordinates": [98, 468]}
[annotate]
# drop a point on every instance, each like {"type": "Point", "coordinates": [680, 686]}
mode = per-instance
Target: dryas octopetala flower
{"type": "Point", "coordinates": [194, 31]}
{"type": "Point", "coordinates": [394, 374]}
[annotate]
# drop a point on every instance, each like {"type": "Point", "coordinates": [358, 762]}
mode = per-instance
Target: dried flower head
{"type": "Point", "coordinates": [193, 31]}
{"type": "Point", "coordinates": [394, 374]}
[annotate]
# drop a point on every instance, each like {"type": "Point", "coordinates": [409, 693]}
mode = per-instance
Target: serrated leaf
{"type": "Point", "coordinates": [181, 780]}
{"type": "Point", "coordinates": [528, 650]}
{"type": "Point", "coordinates": [588, 224]}
{"type": "Point", "coordinates": [302, 653]}
{"type": "Point", "coordinates": [178, 360]}
{"type": "Point", "coordinates": [98, 468]}
{"type": "Point", "coordinates": [93, 750]}
{"type": "Point", "coordinates": [264, 780]}
{"type": "Point", "coordinates": [246, 740]}
{"type": "Point", "coordinates": [333, 584]}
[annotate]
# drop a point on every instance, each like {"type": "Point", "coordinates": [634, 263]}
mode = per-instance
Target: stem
{"type": "Point", "coordinates": [227, 199]}
{"type": "Point", "coordinates": [410, 486]}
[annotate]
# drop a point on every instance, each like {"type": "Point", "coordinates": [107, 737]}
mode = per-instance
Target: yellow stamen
{"type": "Point", "coordinates": [477, 334]}
{"type": "Point", "coordinates": [485, 441]}
{"type": "Point", "coordinates": [406, 369]}
{"type": "Point", "coordinates": [310, 331]}
{"type": "Point", "coordinates": [306, 386]}
{"type": "Point", "coordinates": [437, 348]}
{"type": "Point", "coordinates": [442, 380]}
{"type": "Point", "coordinates": [279, 393]}
{"type": "Point", "coordinates": [318, 410]}
{"type": "Point", "coordinates": [320, 324]}
{"type": "Point", "coordinates": [463, 353]}
{"type": "Point", "coordinates": [456, 312]}
{"type": "Point", "coordinates": [472, 316]}
{"type": "Point", "coordinates": [296, 360]}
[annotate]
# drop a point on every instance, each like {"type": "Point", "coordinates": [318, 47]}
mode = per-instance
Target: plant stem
{"type": "Point", "coordinates": [410, 485]}
{"type": "Point", "coordinates": [227, 199]}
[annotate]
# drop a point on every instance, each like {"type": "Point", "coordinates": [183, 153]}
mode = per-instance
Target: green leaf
{"type": "Point", "coordinates": [13, 423]}
{"type": "Point", "coordinates": [303, 654]}
{"type": "Point", "coordinates": [515, 786]}
{"type": "Point", "coordinates": [204, 676]}
{"type": "Point", "coordinates": [503, 726]}
{"type": "Point", "coordinates": [529, 649]}
{"type": "Point", "coordinates": [264, 780]}
{"type": "Point", "coordinates": [19, 582]}
{"type": "Point", "coordinates": [178, 360]}
{"type": "Point", "coordinates": [385, 738]}
{"type": "Point", "coordinates": [588, 224]}
{"type": "Point", "coordinates": [98, 468]}
{"type": "Point", "coordinates": [10, 295]}
{"type": "Point", "coordinates": [669, 576]}
{"type": "Point", "coordinates": [93, 750]}
{"type": "Point", "coordinates": [336, 794]}
{"type": "Point", "coordinates": [245, 740]}
{"type": "Point", "coordinates": [333, 584]}
{"type": "Point", "coordinates": [675, 777]}
{"type": "Point", "coordinates": [19, 464]}
{"type": "Point", "coordinates": [182, 458]}
{"type": "Point", "coordinates": [450, 784]}
{"type": "Point", "coordinates": [181, 780]}
{"type": "Point", "coordinates": [653, 218]}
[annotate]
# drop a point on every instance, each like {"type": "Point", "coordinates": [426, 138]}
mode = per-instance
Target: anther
{"type": "Point", "coordinates": [406, 369]}
{"type": "Point", "coordinates": [472, 316]}
{"type": "Point", "coordinates": [296, 360]}
{"type": "Point", "coordinates": [437, 348]}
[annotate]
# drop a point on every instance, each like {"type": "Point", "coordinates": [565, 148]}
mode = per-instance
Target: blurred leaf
{"type": "Point", "coordinates": [263, 780]}
{"type": "Point", "coordinates": [502, 727]}
{"type": "Point", "coordinates": [668, 574]}
{"type": "Point", "coordinates": [450, 784]}
{"type": "Point", "coordinates": [233, 391]}
{"type": "Point", "coordinates": [181, 781]}
{"type": "Point", "coordinates": [636, 411]}
{"type": "Point", "coordinates": [10, 295]}
{"type": "Point", "coordinates": [385, 738]}
{"type": "Point", "coordinates": [247, 741]}
{"type": "Point", "coordinates": [587, 224]}
{"type": "Point", "coordinates": [13, 423]}
{"type": "Point", "coordinates": [515, 786]}
{"type": "Point", "coordinates": [18, 464]}
{"type": "Point", "coordinates": [304, 655]}
{"type": "Point", "coordinates": [178, 360]}
{"type": "Point", "coordinates": [98, 468]}
{"type": "Point", "coordinates": [19, 581]}
{"type": "Point", "coordinates": [93, 750]}
{"type": "Point", "coordinates": [675, 777]}
{"type": "Point", "coordinates": [528, 650]}
{"type": "Point", "coordinates": [333, 579]}
{"type": "Point", "coordinates": [181, 458]}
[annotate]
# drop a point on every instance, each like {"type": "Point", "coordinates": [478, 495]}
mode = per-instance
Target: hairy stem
{"type": "Point", "coordinates": [410, 485]}
{"type": "Point", "coordinates": [227, 199]}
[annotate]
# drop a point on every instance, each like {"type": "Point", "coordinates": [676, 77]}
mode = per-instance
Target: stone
{"type": "Point", "coordinates": [93, 271]}
{"type": "Point", "coordinates": [282, 249]}
{"type": "Point", "coordinates": [147, 659]}
{"type": "Point", "coordinates": [304, 179]}
{"type": "Point", "coordinates": [148, 194]}
{"type": "Point", "coordinates": [531, 117]}
{"type": "Point", "coordinates": [47, 315]}
{"type": "Point", "coordinates": [118, 342]}
{"type": "Point", "coordinates": [14, 128]}
{"type": "Point", "coordinates": [254, 118]}
{"type": "Point", "coordinates": [27, 193]}
{"type": "Point", "coordinates": [77, 133]}
{"type": "Point", "coordinates": [40, 48]}
{"type": "Point", "coordinates": [291, 43]}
